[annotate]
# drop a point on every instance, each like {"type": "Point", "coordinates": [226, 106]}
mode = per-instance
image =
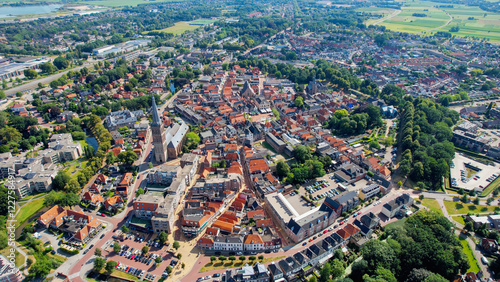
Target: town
{"type": "Point", "coordinates": [254, 144]}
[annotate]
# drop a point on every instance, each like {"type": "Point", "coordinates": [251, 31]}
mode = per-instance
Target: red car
{"type": "Point", "coordinates": [310, 240]}
{"type": "Point", "coordinates": [103, 215]}
{"type": "Point", "coordinates": [325, 231]}
{"type": "Point", "coordinates": [341, 222]}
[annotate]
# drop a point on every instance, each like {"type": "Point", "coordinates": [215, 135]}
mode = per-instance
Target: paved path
{"type": "Point", "coordinates": [392, 15]}
{"type": "Point", "coordinates": [436, 28]}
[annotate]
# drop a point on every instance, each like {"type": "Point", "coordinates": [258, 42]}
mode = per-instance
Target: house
{"type": "Point", "coordinates": [393, 207]}
{"type": "Point", "coordinates": [275, 272]}
{"type": "Point", "coordinates": [489, 245]}
{"type": "Point", "coordinates": [94, 200]}
{"type": "Point", "coordinates": [113, 203]}
{"type": "Point", "coordinates": [122, 187]}
{"type": "Point", "coordinates": [228, 243]}
{"type": "Point", "coordinates": [368, 192]}
{"type": "Point", "coordinates": [253, 242]}
{"type": "Point", "coordinates": [342, 202]}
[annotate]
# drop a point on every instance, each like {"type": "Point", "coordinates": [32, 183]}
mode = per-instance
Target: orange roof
{"type": "Point", "coordinates": [222, 225]}
{"type": "Point", "coordinates": [49, 215]}
{"type": "Point", "coordinates": [101, 177]}
{"type": "Point", "coordinates": [126, 179]}
{"type": "Point", "coordinates": [206, 240]}
{"type": "Point", "coordinates": [257, 213]}
{"type": "Point", "coordinates": [235, 168]}
{"type": "Point", "coordinates": [116, 151]}
{"type": "Point", "coordinates": [112, 201]}
{"type": "Point", "coordinates": [351, 229]}
{"type": "Point", "coordinates": [270, 177]}
{"type": "Point", "coordinates": [264, 222]}
{"type": "Point", "coordinates": [258, 165]}
{"type": "Point", "coordinates": [342, 233]}
{"type": "Point", "coordinates": [253, 239]}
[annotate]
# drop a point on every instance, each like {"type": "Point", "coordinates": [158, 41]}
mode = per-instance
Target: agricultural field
{"type": "Point", "coordinates": [106, 3]}
{"type": "Point", "coordinates": [179, 28]}
{"type": "Point", "coordinates": [472, 21]}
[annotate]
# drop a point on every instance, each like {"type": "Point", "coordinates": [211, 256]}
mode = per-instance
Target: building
{"type": "Point", "coordinates": [277, 144]}
{"type": "Point", "coordinates": [80, 226]}
{"type": "Point", "coordinates": [145, 205]}
{"type": "Point", "coordinates": [369, 192]}
{"type": "Point", "coordinates": [310, 223]}
{"type": "Point", "coordinates": [159, 136]}
{"type": "Point", "coordinates": [343, 202]}
{"type": "Point", "coordinates": [393, 207]}
{"type": "Point", "coordinates": [126, 118]}
{"type": "Point", "coordinates": [164, 174]}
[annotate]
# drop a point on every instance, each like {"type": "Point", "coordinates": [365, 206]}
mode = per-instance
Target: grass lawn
{"type": "Point", "coordinates": [395, 224]}
{"type": "Point", "coordinates": [38, 194]}
{"type": "Point", "coordinates": [28, 210]}
{"type": "Point", "coordinates": [461, 208]}
{"type": "Point", "coordinates": [459, 219]}
{"type": "Point", "coordinates": [472, 260]}
{"type": "Point", "coordinates": [237, 263]}
{"type": "Point", "coordinates": [433, 205]}
{"type": "Point", "coordinates": [493, 185]}
{"type": "Point", "coordinates": [125, 275]}
{"type": "Point", "coordinates": [19, 258]}
{"type": "Point", "coordinates": [179, 28]}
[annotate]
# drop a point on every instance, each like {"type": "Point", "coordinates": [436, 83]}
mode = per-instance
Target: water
{"type": "Point", "coordinates": [9, 11]}
{"type": "Point", "coordinates": [93, 143]}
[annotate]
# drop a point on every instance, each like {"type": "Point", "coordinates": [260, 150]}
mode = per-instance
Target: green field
{"type": "Point", "coordinates": [470, 255]}
{"type": "Point", "coordinates": [493, 185]}
{"type": "Point", "coordinates": [179, 28]}
{"type": "Point", "coordinates": [459, 219]}
{"type": "Point", "coordinates": [433, 205]}
{"type": "Point", "coordinates": [28, 210]}
{"type": "Point", "coordinates": [472, 21]}
{"type": "Point", "coordinates": [107, 3]}
{"type": "Point", "coordinates": [461, 208]}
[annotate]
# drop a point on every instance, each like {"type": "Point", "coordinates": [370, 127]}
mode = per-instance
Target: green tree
{"type": "Point", "coordinates": [125, 228]}
{"type": "Point", "coordinates": [61, 62]}
{"type": "Point", "coordinates": [337, 268]}
{"type": "Point", "coordinates": [299, 102]}
{"type": "Point", "coordinates": [325, 273]}
{"type": "Point", "coordinates": [30, 74]}
{"type": "Point", "coordinates": [145, 250]}
{"type": "Point", "coordinates": [10, 134]}
{"type": "Point", "coordinates": [99, 263]}
{"type": "Point", "coordinates": [98, 252]}
{"type": "Point", "coordinates": [176, 245]}
{"type": "Point", "coordinates": [163, 237]}
{"type": "Point", "coordinates": [222, 258]}
{"type": "Point", "coordinates": [232, 258]}
{"type": "Point", "coordinates": [139, 191]}
{"type": "Point", "coordinates": [110, 266]}
{"type": "Point", "coordinates": [213, 258]}
{"type": "Point", "coordinates": [116, 248]}
{"type": "Point", "coordinates": [60, 180]}
{"type": "Point", "coordinates": [158, 260]}
{"type": "Point", "coordinates": [282, 169]}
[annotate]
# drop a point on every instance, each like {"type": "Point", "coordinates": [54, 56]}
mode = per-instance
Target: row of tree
{"type": "Point", "coordinates": [425, 138]}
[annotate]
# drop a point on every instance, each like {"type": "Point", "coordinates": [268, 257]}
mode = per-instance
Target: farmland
{"type": "Point", "coordinates": [472, 21]}
{"type": "Point", "coordinates": [181, 27]}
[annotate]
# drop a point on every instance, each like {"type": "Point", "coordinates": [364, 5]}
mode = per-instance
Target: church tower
{"type": "Point", "coordinates": [159, 137]}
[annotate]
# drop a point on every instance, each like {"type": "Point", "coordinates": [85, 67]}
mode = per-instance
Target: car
{"type": "Point", "coordinates": [98, 213]}
{"type": "Point", "coordinates": [142, 272]}
{"type": "Point", "coordinates": [91, 246]}
{"type": "Point", "coordinates": [484, 260]}
{"type": "Point", "coordinates": [165, 275]}
{"type": "Point", "coordinates": [239, 253]}
{"type": "Point", "coordinates": [173, 262]}
{"type": "Point", "coordinates": [102, 236]}
{"type": "Point", "coordinates": [314, 238]}
{"type": "Point", "coordinates": [103, 215]}
{"type": "Point", "coordinates": [310, 240]}
{"type": "Point", "coordinates": [86, 251]}
{"type": "Point", "coordinates": [325, 231]}
{"type": "Point", "coordinates": [341, 223]}
{"type": "Point", "coordinates": [53, 252]}
{"type": "Point", "coordinates": [335, 226]}
{"type": "Point", "coordinates": [216, 275]}
{"type": "Point", "coordinates": [359, 213]}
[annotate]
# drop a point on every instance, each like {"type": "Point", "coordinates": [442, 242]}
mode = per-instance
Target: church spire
{"type": "Point", "coordinates": [154, 111]}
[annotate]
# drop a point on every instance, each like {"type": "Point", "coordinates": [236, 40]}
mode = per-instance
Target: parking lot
{"type": "Point", "coordinates": [133, 261]}
{"type": "Point", "coordinates": [468, 174]}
